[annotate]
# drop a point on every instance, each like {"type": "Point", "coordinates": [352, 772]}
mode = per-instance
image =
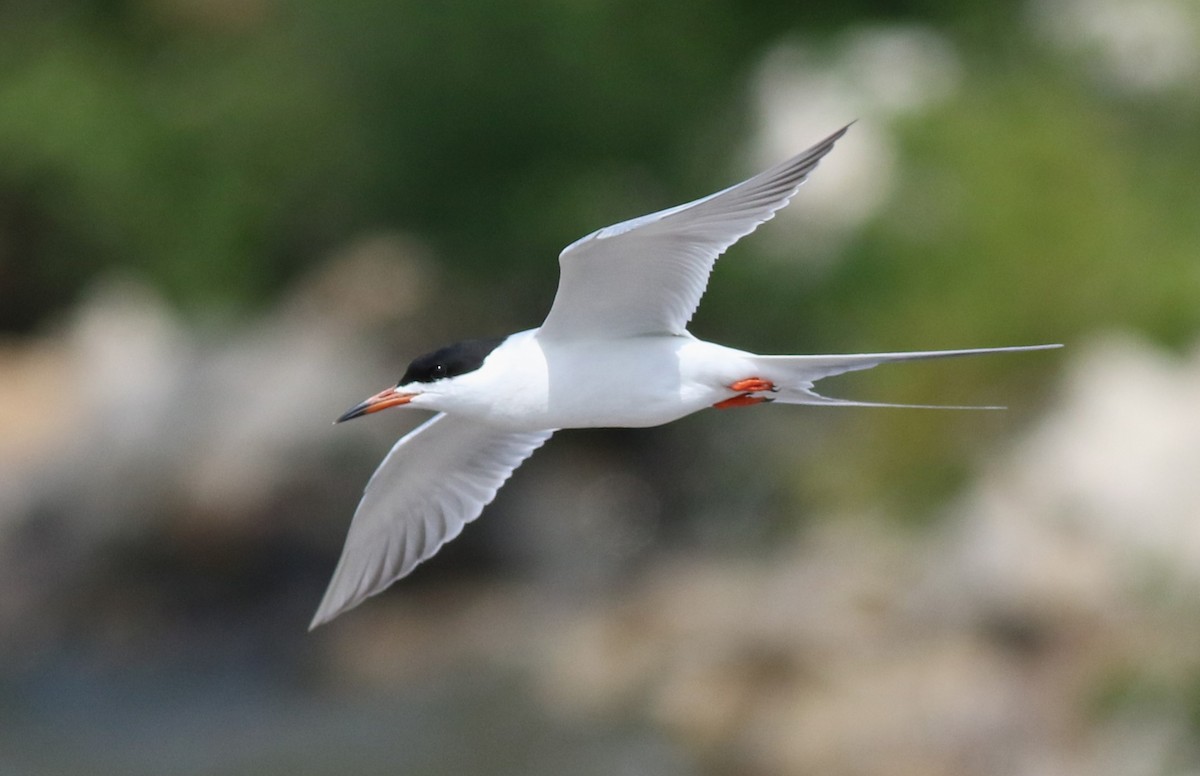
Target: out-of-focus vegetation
{"type": "Point", "coordinates": [223, 221]}
{"type": "Point", "coordinates": [219, 150]}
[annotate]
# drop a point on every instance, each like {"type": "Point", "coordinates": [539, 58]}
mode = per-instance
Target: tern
{"type": "Point", "coordinates": [613, 351]}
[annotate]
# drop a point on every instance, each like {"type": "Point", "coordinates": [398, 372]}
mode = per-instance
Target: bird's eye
{"type": "Point", "coordinates": [439, 370]}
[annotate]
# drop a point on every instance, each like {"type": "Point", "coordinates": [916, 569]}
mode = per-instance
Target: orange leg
{"type": "Point", "coordinates": [752, 385]}
{"type": "Point", "coordinates": [745, 389]}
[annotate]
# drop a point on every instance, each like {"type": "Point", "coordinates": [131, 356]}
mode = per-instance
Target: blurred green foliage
{"type": "Point", "coordinates": [219, 149]}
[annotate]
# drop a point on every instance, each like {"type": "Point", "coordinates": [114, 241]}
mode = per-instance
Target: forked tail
{"type": "Point", "coordinates": [793, 376]}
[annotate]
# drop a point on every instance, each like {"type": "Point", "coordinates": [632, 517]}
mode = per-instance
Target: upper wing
{"type": "Point", "coordinates": [646, 275]}
{"type": "Point", "coordinates": [435, 480]}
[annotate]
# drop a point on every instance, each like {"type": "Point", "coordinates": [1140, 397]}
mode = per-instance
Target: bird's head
{"type": "Point", "coordinates": [427, 375]}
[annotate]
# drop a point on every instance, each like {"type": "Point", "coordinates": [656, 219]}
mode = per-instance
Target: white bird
{"type": "Point", "coordinates": [614, 351]}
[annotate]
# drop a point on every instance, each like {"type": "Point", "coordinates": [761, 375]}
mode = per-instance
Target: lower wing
{"type": "Point", "coordinates": [435, 480]}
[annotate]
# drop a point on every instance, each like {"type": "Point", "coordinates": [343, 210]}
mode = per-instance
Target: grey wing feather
{"type": "Point", "coordinates": [435, 480]}
{"type": "Point", "coordinates": [646, 275]}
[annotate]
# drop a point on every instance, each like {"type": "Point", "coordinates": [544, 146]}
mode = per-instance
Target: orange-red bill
{"type": "Point", "coordinates": [380, 401]}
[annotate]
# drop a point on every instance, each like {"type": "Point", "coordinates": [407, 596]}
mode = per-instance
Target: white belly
{"type": "Point", "coordinates": [642, 381]}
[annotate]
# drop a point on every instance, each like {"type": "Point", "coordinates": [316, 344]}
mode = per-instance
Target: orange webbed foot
{"type": "Point", "coordinates": [744, 400]}
{"type": "Point", "coordinates": [746, 388]}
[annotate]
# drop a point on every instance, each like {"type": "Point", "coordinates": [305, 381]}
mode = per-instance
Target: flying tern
{"type": "Point", "coordinates": [613, 351]}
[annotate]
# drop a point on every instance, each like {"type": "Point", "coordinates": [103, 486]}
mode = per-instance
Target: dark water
{"type": "Point", "coordinates": [71, 717]}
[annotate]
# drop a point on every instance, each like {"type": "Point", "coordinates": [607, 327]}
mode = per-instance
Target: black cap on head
{"type": "Point", "coordinates": [450, 361]}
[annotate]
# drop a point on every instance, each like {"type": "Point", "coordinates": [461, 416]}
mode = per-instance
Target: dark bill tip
{"type": "Point", "coordinates": [356, 411]}
{"type": "Point", "coordinates": [380, 401]}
